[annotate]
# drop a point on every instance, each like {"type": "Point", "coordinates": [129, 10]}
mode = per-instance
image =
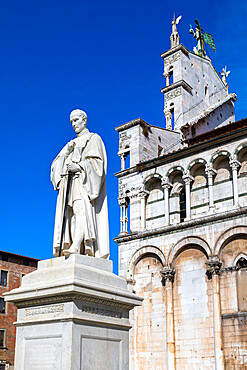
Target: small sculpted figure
{"type": "Point", "coordinates": [202, 38]}
{"type": "Point", "coordinates": [175, 36]}
{"type": "Point", "coordinates": [78, 173]}
{"type": "Point", "coordinates": [224, 75]}
{"type": "Point", "coordinates": [199, 49]}
{"type": "Point", "coordinates": [175, 21]}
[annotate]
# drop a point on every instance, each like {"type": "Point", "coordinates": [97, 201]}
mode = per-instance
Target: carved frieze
{"type": "Point", "coordinates": [72, 297]}
{"type": "Point", "coordinates": [101, 311]}
{"type": "Point", "coordinates": [173, 94]}
{"type": "Point", "coordinates": [173, 58]}
{"type": "Point", "coordinates": [37, 311]}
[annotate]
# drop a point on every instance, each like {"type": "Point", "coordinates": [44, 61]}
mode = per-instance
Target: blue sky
{"type": "Point", "coordinates": [103, 57]}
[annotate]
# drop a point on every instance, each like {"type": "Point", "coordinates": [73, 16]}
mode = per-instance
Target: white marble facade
{"type": "Point", "coordinates": [183, 217]}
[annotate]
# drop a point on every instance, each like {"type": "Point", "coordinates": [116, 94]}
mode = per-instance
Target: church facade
{"type": "Point", "coordinates": [183, 222]}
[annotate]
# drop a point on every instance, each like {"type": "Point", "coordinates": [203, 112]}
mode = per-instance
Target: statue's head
{"type": "Point", "coordinates": [78, 119]}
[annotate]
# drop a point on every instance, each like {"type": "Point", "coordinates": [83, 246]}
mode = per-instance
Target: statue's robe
{"type": "Point", "coordinates": [89, 185]}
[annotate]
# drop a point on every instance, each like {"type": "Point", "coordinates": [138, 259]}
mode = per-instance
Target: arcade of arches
{"type": "Point", "coordinates": [196, 311]}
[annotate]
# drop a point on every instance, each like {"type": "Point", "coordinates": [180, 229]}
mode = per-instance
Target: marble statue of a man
{"type": "Point", "coordinates": [86, 216]}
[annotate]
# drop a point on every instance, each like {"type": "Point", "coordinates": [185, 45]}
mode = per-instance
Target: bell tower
{"type": "Point", "coordinates": [196, 99]}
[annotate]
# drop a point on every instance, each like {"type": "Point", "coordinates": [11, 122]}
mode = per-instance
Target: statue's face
{"type": "Point", "coordinates": [78, 122]}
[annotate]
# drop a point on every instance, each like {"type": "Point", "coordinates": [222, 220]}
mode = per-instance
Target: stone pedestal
{"type": "Point", "coordinates": [73, 314]}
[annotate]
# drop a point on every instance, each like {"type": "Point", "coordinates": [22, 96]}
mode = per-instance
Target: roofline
{"type": "Point", "coordinates": [170, 157]}
{"type": "Point", "coordinates": [174, 50]}
{"type": "Point", "coordinates": [141, 122]}
{"type": "Point", "coordinates": [134, 122]}
{"type": "Point", "coordinates": [206, 112]}
{"type": "Point", "coordinates": [19, 255]}
{"type": "Point", "coordinates": [217, 132]}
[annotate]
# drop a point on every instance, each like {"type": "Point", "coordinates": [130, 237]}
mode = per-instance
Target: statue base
{"type": "Point", "coordinates": [73, 313]}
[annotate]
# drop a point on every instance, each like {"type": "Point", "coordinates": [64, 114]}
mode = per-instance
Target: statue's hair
{"type": "Point", "coordinates": [79, 112]}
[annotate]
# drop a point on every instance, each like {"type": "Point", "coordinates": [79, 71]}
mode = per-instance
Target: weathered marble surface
{"type": "Point", "coordinates": [73, 314]}
{"type": "Point", "coordinates": [79, 173]}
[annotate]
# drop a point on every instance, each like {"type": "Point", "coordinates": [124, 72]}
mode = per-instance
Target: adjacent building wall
{"type": "Point", "coordinates": [15, 267]}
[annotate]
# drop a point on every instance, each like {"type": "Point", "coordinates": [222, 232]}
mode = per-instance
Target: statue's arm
{"type": "Point", "coordinates": [58, 165]}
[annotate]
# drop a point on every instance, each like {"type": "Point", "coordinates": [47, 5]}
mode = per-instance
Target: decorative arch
{"type": "Point", "coordinates": [152, 176]}
{"type": "Point", "coordinates": [219, 154]}
{"type": "Point", "coordinates": [177, 168]}
{"type": "Point", "coordinates": [141, 253]}
{"type": "Point", "coordinates": [239, 256]}
{"type": "Point", "coordinates": [240, 147]}
{"type": "Point", "coordinates": [127, 191]}
{"type": "Point", "coordinates": [227, 236]}
{"type": "Point", "coordinates": [176, 190]}
{"type": "Point", "coordinates": [196, 161]}
{"type": "Point", "coordinates": [186, 243]}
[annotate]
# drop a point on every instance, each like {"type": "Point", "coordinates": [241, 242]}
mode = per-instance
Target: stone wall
{"type": "Point", "coordinates": [194, 327]}
{"type": "Point", "coordinates": [148, 340]}
{"type": "Point", "coordinates": [194, 338]}
{"type": "Point", "coordinates": [15, 269]}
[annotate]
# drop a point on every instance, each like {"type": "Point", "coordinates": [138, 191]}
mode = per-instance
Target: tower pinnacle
{"type": "Point", "coordinates": [174, 35]}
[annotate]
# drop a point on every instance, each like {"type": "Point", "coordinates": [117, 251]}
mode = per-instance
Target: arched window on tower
{"type": "Point", "coordinates": [170, 77]}
{"type": "Point", "coordinates": [127, 160]}
{"type": "Point", "coordinates": [241, 267]}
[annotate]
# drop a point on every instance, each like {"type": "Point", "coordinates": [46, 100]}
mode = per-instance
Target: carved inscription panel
{"type": "Point", "coordinates": [43, 353]}
{"type": "Point", "coordinates": [44, 310]}
{"type": "Point", "coordinates": [101, 353]}
{"type": "Point", "coordinates": [101, 311]}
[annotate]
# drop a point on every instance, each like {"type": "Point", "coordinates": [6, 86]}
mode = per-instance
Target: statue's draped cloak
{"type": "Point", "coordinates": [89, 186]}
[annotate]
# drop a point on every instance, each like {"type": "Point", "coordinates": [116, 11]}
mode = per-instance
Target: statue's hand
{"type": "Point", "coordinates": [73, 167]}
{"type": "Point", "coordinates": [70, 147]}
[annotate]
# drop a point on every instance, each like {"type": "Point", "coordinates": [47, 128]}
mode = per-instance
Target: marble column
{"type": "Point", "coordinates": [123, 215]}
{"type": "Point", "coordinates": [166, 186]}
{"type": "Point", "coordinates": [126, 220]}
{"type": "Point", "coordinates": [187, 180]}
{"type": "Point", "coordinates": [122, 158]}
{"type": "Point", "coordinates": [166, 75]}
{"type": "Point", "coordinates": [168, 116]}
{"type": "Point", "coordinates": [142, 195]}
{"type": "Point", "coordinates": [234, 163]}
{"type": "Point", "coordinates": [213, 265]}
{"type": "Point", "coordinates": [167, 274]}
{"type": "Point", "coordinates": [210, 172]}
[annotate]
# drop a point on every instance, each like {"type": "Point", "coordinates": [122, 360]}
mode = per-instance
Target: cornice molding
{"type": "Point", "coordinates": [175, 85]}
{"type": "Point", "coordinates": [174, 50]}
{"type": "Point", "coordinates": [135, 122]}
{"type": "Point", "coordinates": [183, 225]}
{"type": "Point", "coordinates": [179, 154]}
